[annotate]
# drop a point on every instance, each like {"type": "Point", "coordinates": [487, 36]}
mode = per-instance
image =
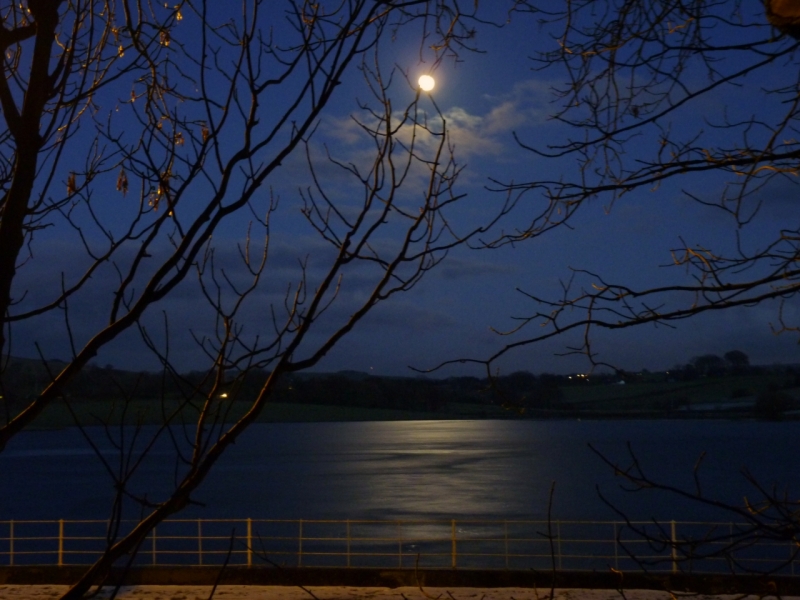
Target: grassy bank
{"type": "Point", "coordinates": [95, 412]}
{"type": "Point", "coordinates": [649, 396]}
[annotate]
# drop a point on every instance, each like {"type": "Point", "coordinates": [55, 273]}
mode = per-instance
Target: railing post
{"type": "Point", "coordinates": [348, 542]}
{"type": "Point", "coordinates": [11, 543]}
{"type": "Point", "coordinates": [199, 542]}
{"type": "Point", "coordinates": [617, 527]}
{"type": "Point", "coordinates": [399, 547]}
{"type": "Point", "coordinates": [300, 545]}
{"type": "Point", "coordinates": [674, 540]}
{"type": "Point", "coordinates": [453, 550]}
{"type": "Point", "coordinates": [61, 542]}
{"type": "Point", "coordinates": [730, 530]}
{"type": "Point", "coordinates": [505, 535]}
{"type": "Point", "coordinates": [249, 542]}
{"type": "Point", "coordinates": [558, 539]}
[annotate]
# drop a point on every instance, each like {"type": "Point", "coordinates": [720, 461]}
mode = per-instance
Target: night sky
{"type": "Point", "coordinates": [487, 98]}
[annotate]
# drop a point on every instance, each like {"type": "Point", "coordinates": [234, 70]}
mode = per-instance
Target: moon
{"type": "Point", "coordinates": [426, 83]}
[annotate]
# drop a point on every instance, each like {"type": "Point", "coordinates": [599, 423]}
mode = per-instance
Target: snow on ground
{"type": "Point", "coordinates": [254, 592]}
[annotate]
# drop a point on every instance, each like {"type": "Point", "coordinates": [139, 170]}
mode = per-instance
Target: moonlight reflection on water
{"type": "Point", "coordinates": [414, 469]}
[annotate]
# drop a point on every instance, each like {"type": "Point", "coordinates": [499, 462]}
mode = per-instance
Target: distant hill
{"type": "Point", "coordinates": [759, 392]}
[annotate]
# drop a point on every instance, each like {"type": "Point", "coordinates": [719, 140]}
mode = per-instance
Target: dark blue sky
{"type": "Point", "coordinates": [486, 98]}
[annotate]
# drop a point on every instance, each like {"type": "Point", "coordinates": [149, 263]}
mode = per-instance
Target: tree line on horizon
{"type": "Point", "coordinates": [518, 392]}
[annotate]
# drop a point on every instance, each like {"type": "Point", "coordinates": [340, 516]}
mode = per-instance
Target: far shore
{"type": "Point", "coordinates": [149, 413]}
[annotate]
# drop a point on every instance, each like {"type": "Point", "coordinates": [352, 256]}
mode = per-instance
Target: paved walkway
{"type": "Point", "coordinates": [250, 592]}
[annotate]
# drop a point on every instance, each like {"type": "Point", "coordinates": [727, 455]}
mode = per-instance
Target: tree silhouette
{"type": "Point", "coordinates": [646, 100]}
{"type": "Point", "coordinates": [738, 360]}
{"type": "Point", "coordinates": [699, 96]}
{"type": "Point", "coordinates": [767, 516]}
{"type": "Point", "coordinates": [708, 364]}
{"type": "Point", "coordinates": [137, 132]}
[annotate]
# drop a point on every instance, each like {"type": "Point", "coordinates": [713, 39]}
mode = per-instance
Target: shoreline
{"type": "Point", "coordinates": [304, 413]}
{"type": "Point", "coordinates": [391, 578]}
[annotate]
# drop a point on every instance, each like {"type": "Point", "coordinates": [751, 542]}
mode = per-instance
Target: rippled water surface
{"type": "Point", "coordinates": [498, 469]}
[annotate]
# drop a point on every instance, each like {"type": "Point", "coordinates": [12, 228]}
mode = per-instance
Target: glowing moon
{"type": "Point", "coordinates": [426, 83]}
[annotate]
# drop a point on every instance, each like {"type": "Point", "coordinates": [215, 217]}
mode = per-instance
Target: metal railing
{"type": "Point", "coordinates": [500, 544]}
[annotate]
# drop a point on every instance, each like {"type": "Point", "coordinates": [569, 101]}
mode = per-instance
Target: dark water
{"type": "Point", "coordinates": [386, 470]}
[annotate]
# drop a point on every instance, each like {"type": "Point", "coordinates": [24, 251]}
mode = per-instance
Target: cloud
{"type": "Point", "coordinates": [403, 315]}
{"type": "Point", "coordinates": [470, 135]}
{"type": "Point", "coordinates": [504, 118]}
{"type": "Point", "coordinates": [459, 269]}
{"type": "Point", "coordinates": [482, 132]}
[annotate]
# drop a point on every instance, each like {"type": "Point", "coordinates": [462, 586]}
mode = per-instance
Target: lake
{"type": "Point", "coordinates": [415, 469]}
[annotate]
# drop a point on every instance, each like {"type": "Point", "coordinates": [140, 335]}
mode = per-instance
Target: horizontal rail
{"type": "Point", "coordinates": [424, 543]}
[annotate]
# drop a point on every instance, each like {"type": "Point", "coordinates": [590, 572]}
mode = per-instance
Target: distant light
{"type": "Point", "coordinates": [223, 395]}
{"type": "Point", "coordinates": [426, 83]}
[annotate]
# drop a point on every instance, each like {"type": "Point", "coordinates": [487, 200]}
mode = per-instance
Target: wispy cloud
{"type": "Point", "coordinates": [472, 133]}
{"type": "Point", "coordinates": [470, 269]}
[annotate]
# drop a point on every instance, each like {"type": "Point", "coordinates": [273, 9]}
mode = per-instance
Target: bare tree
{"type": "Point", "coordinates": [695, 96]}
{"type": "Point", "coordinates": [638, 79]}
{"type": "Point", "coordinates": [137, 131]}
{"type": "Point", "coordinates": [770, 518]}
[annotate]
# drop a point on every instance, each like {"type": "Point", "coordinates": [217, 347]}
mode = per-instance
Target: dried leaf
{"type": "Point", "coordinates": [122, 182]}
{"type": "Point", "coordinates": [72, 186]}
{"type": "Point", "coordinates": [163, 185]}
